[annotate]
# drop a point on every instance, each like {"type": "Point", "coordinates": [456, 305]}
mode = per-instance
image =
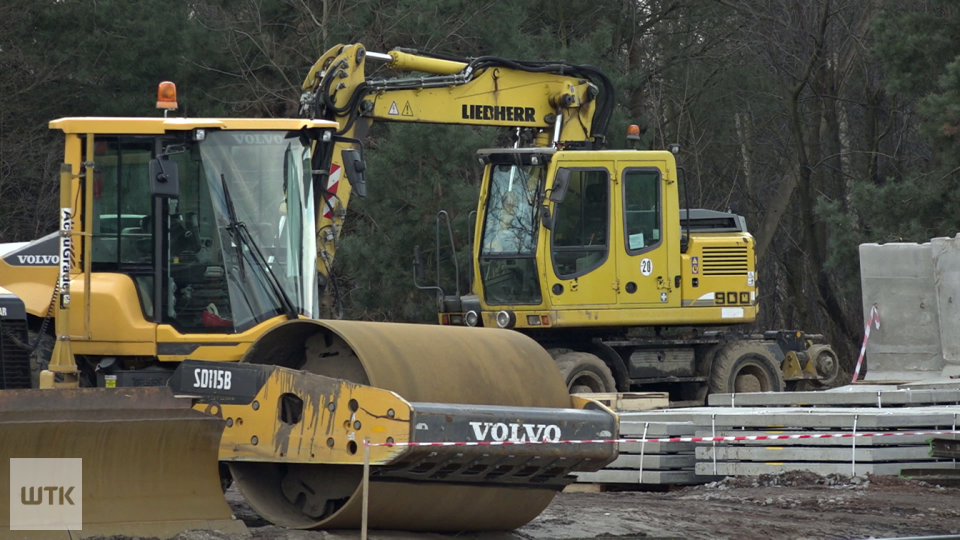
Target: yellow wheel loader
{"type": "Point", "coordinates": [588, 251]}
{"type": "Point", "coordinates": [169, 324]}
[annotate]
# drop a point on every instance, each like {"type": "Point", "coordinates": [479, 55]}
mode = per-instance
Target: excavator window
{"type": "Point", "coordinates": [579, 242]}
{"type": "Point", "coordinates": [508, 265]}
{"type": "Point", "coordinates": [641, 200]}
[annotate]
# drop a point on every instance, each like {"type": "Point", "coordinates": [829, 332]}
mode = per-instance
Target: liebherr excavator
{"type": "Point", "coordinates": [586, 250]}
{"type": "Point", "coordinates": [176, 307]}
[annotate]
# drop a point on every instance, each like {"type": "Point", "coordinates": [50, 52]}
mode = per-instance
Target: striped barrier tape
{"type": "Point", "coordinates": [730, 438]}
{"type": "Point", "coordinates": [874, 321]}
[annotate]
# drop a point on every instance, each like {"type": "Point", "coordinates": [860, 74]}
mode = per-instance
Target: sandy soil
{"type": "Point", "coordinates": [790, 505]}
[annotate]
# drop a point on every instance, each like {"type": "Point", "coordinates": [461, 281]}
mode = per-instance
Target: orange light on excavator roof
{"type": "Point", "coordinates": [167, 95]}
{"type": "Point", "coordinates": [633, 132]}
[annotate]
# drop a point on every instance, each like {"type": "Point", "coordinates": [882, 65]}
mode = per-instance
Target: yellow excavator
{"type": "Point", "coordinates": [170, 325]}
{"type": "Point", "coordinates": [586, 250]}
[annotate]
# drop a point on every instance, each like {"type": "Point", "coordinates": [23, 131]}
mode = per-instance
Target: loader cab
{"type": "Point", "coordinates": [231, 245]}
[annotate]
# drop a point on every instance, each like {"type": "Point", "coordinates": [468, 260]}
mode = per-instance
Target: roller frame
{"type": "Point", "coordinates": [337, 416]}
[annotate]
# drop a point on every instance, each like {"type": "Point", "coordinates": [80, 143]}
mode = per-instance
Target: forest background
{"type": "Point", "coordinates": [827, 123]}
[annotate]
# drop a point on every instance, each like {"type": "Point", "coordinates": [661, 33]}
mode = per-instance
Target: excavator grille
{"type": "Point", "coordinates": [725, 261]}
{"type": "Point", "coordinates": [14, 355]}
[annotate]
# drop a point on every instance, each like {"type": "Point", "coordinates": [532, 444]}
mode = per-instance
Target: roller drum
{"type": "Point", "coordinates": [421, 363]}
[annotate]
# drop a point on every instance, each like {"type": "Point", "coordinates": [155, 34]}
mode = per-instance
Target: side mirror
{"type": "Point", "coordinates": [417, 264]}
{"type": "Point", "coordinates": [560, 184]}
{"type": "Point", "coordinates": [355, 166]}
{"type": "Point", "coordinates": [545, 217]}
{"type": "Point", "coordinates": [164, 178]}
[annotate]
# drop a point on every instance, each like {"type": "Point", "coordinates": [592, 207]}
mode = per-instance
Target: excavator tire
{"type": "Point", "coordinates": [421, 363]}
{"type": "Point", "coordinates": [149, 461]}
{"type": "Point", "coordinates": [585, 373]}
{"type": "Point", "coordinates": [828, 366]}
{"type": "Point", "coordinates": [745, 366]}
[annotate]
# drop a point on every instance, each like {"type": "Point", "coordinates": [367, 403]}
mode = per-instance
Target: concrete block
{"type": "Point", "coordinates": [899, 279]}
{"type": "Point", "coordinates": [946, 277]}
{"type": "Point", "coordinates": [630, 476]}
{"type": "Point", "coordinates": [880, 398]}
{"type": "Point", "coordinates": [815, 453]}
{"type": "Point", "coordinates": [754, 469]}
{"type": "Point", "coordinates": [838, 442]}
{"type": "Point", "coordinates": [632, 461]}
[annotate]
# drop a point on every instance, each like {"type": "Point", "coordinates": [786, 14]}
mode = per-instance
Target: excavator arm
{"type": "Point", "coordinates": [549, 104]}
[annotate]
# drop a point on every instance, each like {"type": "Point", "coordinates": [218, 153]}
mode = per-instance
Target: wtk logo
{"type": "Point", "coordinates": [46, 494]}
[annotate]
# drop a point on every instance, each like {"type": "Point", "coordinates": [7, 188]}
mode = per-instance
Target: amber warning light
{"type": "Point", "coordinates": [633, 132]}
{"type": "Point", "coordinates": [167, 95]}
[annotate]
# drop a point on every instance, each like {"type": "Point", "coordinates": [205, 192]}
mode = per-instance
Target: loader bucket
{"type": "Point", "coordinates": [149, 460]}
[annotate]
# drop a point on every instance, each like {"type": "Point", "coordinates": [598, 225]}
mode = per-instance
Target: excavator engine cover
{"type": "Point", "coordinates": [485, 368]}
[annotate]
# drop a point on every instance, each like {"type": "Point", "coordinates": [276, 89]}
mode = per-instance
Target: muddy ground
{"type": "Point", "coordinates": [789, 505]}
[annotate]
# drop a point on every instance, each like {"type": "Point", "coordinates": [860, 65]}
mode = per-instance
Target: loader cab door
{"type": "Point", "coordinates": [648, 253]}
{"type": "Point", "coordinates": [581, 267]}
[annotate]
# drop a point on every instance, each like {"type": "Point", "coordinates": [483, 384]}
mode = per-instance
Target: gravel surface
{"type": "Point", "coordinates": [788, 505]}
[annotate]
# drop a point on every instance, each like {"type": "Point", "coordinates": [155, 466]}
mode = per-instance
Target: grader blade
{"type": "Point", "coordinates": [149, 461]}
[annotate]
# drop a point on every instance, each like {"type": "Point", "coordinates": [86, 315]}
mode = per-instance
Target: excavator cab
{"type": "Point", "coordinates": [572, 239]}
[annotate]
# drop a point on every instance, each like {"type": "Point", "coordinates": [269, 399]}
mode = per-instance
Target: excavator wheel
{"type": "Point", "coordinates": [585, 373]}
{"type": "Point", "coordinates": [745, 366]}
{"type": "Point", "coordinates": [420, 363]}
{"type": "Point", "coordinates": [828, 365]}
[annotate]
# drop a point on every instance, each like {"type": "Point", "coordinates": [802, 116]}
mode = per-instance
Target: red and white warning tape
{"type": "Point", "coordinates": [731, 438]}
{"type": "Point", "coordinates": [874, 320]}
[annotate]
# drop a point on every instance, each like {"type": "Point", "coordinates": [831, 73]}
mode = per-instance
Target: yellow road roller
{"type": "Point", "coordinates": [170, 325]}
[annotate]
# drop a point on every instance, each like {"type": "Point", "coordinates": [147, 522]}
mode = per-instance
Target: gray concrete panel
{"type": "Point", "coordinates": [754, 469]}
{"type": "Point", "coordinates": [946, 277]}
{"type": "Point", "coordinates": [898, 278]}
{"type": "Point", "coordinates": [654, 428]}
{"type": "Point", "coordinates": [819, 417]}
{"type": "Point", "coordinates": [868, 398]}
{"type": "Point", "coordinates": [658, 448]}
{"type": "Point", "coordinates": [815, 453]}
{"type": "Point", "coordinates": [632, 461]}
{"type": "Point", "coordinates": [629, 476]}
{"type": "Point", "coordinates": [838, 442]}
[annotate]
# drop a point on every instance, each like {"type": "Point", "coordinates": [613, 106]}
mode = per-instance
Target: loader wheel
{"type": "Point", "coordinates": [745, 366]}
{"type": "Point", "coordinates": [585, 373]}
{"type": "Point", "coordinates": [40, 359]}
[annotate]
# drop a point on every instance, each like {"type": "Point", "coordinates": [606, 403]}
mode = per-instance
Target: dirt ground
{"type": "Point", "coordinates": [789, 505]}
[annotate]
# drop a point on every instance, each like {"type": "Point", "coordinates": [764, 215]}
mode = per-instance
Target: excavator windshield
{"type": "Point", "coordinates": [507, 256]}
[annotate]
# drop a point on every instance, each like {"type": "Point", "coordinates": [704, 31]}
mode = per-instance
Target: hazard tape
{"type": "Point", "coordinates": [874, 320]}
{"type": "Point", "coordinates": [731, 438]}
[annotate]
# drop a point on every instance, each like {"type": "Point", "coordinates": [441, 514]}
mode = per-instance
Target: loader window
{"type": "Point", "coordinates": [641, 207]}
{"type": "Point", "coordinates": [122, 205]}
{"type": "Point", "coordinates": [579, 240]}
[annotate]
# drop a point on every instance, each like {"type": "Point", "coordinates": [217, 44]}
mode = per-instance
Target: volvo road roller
{"type": "Point", "coordinates": [169, 327]}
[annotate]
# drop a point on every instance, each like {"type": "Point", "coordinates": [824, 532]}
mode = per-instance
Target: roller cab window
{"type": "Point", "coordinates": [238, 242]}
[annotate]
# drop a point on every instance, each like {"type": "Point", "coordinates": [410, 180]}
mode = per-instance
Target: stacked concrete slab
{"type": "Point", "coordinates": [848, 410]}
{"type": "Point", "coordinates": [650, 463]}
{"type": "Point", "coordinates": [916, 289]}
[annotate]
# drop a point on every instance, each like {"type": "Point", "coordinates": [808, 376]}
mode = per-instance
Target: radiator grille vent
{"type": "Point", "coordinates": [725, 261]}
